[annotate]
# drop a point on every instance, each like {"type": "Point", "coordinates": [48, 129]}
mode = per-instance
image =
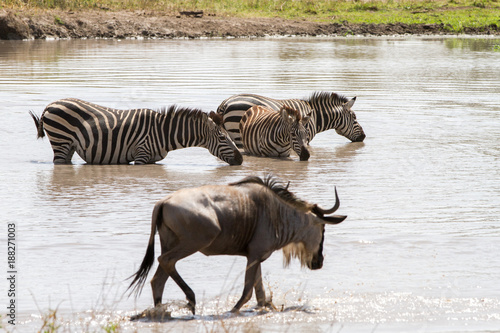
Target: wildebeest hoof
{"type": "Point", "coordinates": [158, 313]}
{"type": "Point", "coordinates": [268, 305]}
{"type": "Point", "coordinates": [191, 307]}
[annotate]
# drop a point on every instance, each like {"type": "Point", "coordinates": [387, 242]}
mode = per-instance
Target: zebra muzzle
{"type": "Point", "coordinates": [304, 154]}
{"type": "Point", "coordinates": [237, 159]}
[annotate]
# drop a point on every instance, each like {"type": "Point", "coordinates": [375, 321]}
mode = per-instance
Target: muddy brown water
{"type": "Point", "coordinates": [419, 250]}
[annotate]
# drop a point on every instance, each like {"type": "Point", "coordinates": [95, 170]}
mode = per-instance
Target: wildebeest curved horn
{"type": "Point", "coordinates": [320, 212]}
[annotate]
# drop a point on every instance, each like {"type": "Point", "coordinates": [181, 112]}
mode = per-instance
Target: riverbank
{"type": "Point", "coordinates": [96, 23]}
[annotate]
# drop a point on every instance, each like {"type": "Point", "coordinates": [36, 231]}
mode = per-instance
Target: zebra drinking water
{"type": "Point", "coordinates": [331, 111]}
{"type": "Point", "coordinates": [102, 135]}
{"type": "Point", "coordinates": [265, 132]}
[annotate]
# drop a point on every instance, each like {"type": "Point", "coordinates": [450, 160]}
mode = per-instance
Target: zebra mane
{"type": "Point", "coordinates": [183, 111]}
{"type": "Point", "coordinates": [325, 96]}
{"type": "Point", "coordinates": [278, 188]}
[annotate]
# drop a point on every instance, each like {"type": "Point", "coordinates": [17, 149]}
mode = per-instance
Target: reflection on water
{"type": "Point", "coordinates": [419, 250]}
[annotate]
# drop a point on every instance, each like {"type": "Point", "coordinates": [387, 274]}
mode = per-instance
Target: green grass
{"type": "Point", "coordinates": [455, 14]}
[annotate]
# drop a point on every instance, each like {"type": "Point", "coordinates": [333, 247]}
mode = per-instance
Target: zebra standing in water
{"type": "Point", "coordinates": [330, 111]}
{"type": "Point", "coordinates": [265, 132]}
{"type": "Point", "coordinates": [102, 135]}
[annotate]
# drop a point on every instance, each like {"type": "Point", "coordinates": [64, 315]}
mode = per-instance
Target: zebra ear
{"type": "Point", "coordinates": [348, 105]}
{"type": "Point", "coordinates": [306, 119]}
{"type": "Point", "coordinates": [285, 114]}
{"type": "Point", "coordinates": [217, 118]}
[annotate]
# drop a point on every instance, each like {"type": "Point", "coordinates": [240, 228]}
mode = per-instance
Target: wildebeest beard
{"type": "Point", "coordinates": [307, 259]}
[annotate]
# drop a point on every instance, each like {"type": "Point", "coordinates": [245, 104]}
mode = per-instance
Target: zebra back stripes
{"type": "Point", "coordinates": [329, 111]}
{"type": "Point", "coordinates": [268, 133]}
{"type": "Point", "coordinates": [102, 135]}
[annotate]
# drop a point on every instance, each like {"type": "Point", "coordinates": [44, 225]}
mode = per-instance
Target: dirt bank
{"type": "Point", "coordinates": [123, 24]}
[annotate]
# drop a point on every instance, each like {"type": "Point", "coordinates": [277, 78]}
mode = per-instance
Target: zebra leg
{"type": "Point", "coordinates": [143, 155]}
{"type": "Point", "coordinates": [63, 153]}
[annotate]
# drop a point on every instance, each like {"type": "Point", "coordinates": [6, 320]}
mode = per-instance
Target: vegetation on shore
{"type": "Point", "coordinates": [455, 15]}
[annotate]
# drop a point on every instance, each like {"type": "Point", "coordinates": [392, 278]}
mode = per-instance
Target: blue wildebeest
{"type": "Point", "coordinates": [251, 218]}
{"type": "Point", "coordinates": [265, 132]}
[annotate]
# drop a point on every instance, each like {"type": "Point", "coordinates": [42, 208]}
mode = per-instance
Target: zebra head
{"type": "Point", "coordinates": [298, 132]}
{"type": "Point", "coordinates": [219, 143]}
{"type": "Point", "coordinates": [348, 126]}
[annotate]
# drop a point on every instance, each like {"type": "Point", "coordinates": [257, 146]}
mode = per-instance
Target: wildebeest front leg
{"type": "Point", "coordinates": [260, 293]}
{"type": "Point", "coordinates": [253, 267]}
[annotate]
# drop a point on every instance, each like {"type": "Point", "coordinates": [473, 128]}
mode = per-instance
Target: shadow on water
{"type": "Point", "coordinates": [73, 178]}
{"type": "Point", "coordinates": [81, 180]}
{"type": "Point", "coordinates": [70, 179]}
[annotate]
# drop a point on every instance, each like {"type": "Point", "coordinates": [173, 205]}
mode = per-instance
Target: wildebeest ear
{"type": "Point", "coordinates": [217, 118]}
{"type": "Point", "coordinates": [333, 219]}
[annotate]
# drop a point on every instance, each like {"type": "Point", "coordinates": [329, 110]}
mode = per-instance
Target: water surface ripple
{"type": "Point", "coordinates": [418, 252]}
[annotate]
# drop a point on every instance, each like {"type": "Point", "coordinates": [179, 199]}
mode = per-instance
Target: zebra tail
{"type": "Point", "coordinates": [142, 273]}
{"type": "Point", "coordinates": [38, 124]}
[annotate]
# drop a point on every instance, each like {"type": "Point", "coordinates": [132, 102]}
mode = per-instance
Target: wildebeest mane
{"type": "Point", "coordinates": [278, 188]}
{"type": "Point", "coordinates": [319, 97]}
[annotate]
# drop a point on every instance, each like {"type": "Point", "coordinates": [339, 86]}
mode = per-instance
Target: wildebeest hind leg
{"type": "Point", "coordinates": [158, 285]}
{"type": "Point", "coordinates": [167, 262]}
{"type": "Point", "coordinates": [185, 288]}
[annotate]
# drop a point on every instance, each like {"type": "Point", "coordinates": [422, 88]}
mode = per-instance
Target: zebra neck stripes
{"type": "Point", "coordinates": [268, 133]}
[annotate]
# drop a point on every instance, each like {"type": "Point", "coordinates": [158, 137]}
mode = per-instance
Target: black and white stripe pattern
{"type": "Point", "coordinates": [265, 132]}
{"type": "Point", "coordinates": [331, 111]}
{"type": "Point", "coordinates": [102, 135]}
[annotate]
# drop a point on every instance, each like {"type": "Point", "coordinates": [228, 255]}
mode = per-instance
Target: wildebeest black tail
{"type": "Point", "coordinates": [142, 273]}
{"type": "Point", "coordinates": [38, 124]}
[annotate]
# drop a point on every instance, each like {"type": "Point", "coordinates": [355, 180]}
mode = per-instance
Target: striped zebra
{"type": "Point", "coordinates": [268, 133]}
{"type": "Point", "coordinates": [102, 135]}
{"type": "Point", "coordinates": [330, 111]}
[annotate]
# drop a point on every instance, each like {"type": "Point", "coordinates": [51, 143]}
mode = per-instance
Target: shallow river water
{"type": "Point", "coordinates": [419, 251]}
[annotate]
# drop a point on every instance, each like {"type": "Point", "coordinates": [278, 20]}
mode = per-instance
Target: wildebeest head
{"type": "Point", "coordinates": [219, 143]}
{"type": "Point", "coordinates": [310, 251]}
{"type": "Point", "coordinates": [298, 131]}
